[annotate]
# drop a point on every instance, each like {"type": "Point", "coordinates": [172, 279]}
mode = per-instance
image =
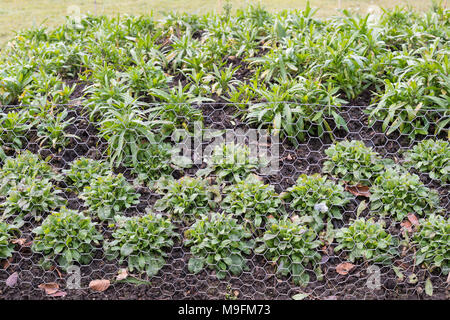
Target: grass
{"type": "Point", "coordinates": [20, 14]}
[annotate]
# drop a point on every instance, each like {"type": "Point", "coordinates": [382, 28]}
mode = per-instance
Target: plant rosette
{"type": "Point", "coordinates": [316, 198]}
{"type": "Point", "coordinates": [142, 241]}
{"type": "Point", "coordinates": [33, 197]}
{"type": "Point", "coordinates": [368, 240]}
{"type": "Point", "coordinates": [433, 243]}
{"type": "Point", "coordinates": [24, 165]}
{"type": "Point", "coordinates": [232, 163]}
{"type": "Point", "coordinates": [7, 232]}
{"type": "Point", "coordinates": [399, 194]}
{"type": "Point", "coordinates": [353, 162]}
{"type": "Point", "coordinates": [220, 243]}
{"type": "Point", "coordinates": [156, 160]}
{"type": "Point", "coordinates": [432, 157]}
{"type": "Point", "coordinates": [83, 170]}
{"type": "Point", "coordinates": [293, 247]}
{"type": "Point", "coordinates": [186, 198]}
{"type": "Point", "coordinates": [107, 196]}
{"type": "Point", "coordinates": [67, 237]}
{"type": "Point", "coordinates": [252, 200]}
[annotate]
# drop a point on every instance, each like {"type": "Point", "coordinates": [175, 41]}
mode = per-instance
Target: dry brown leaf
{"type": "Point", "coordinates": [59, 294]}
{"type": "Point", "coordinates": [7, 263]}
{"type": "Point", "coordinates": [344, 268]}
{"type": "Point", "coordinates": [21, 242]}
{"type": "Point", "coordinates": [99, 285]}
{"type": "Point", "coordinates": [413, 219]}
{"type": "Point", "coordinates": [49, 288]}
{"type": "Point", "coordinates": [123, 274]}
{"type": "Point", "coordinates": [12, 280]}
{"type": "Point", "coordinates": [448, 278]}
{"type": "Point", "coordinates": [53, 268]}
{"type": "Point", "coordinates": [407, 225]}
{"type": "Point", "coordinates": [358, 190]}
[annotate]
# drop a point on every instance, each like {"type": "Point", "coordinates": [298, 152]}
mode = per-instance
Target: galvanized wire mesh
{"type": "Point", "coordinates": [236, 251]}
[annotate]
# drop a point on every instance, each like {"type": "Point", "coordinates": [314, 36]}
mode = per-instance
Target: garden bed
{"type": "Point", "coordinates": [87, 115]}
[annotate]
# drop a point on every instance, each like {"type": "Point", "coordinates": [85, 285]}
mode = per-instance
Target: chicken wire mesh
{"type": "Point", "coordinates": [348, 210]}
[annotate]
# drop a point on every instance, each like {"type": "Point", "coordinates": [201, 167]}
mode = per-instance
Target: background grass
{"type": "Point", "coordinates": [19, 14]}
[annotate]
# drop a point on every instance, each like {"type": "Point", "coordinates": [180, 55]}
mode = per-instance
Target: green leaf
{"type": "Point", "coordinates": [300, 296]}
{"type": "Point", "coordinates": [126, 250]}
{"type": "Point", "coordinates": [195, 265]}
{"type": "Point", "coordinates": [429, 287]}
{"type": "Point", "coordinates": [182, 162]}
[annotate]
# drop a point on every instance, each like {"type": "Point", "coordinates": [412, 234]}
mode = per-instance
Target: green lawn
{"type": "Point", "coordinates": [20, 14]}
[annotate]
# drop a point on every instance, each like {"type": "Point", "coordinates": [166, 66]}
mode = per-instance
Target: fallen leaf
{"type": "Point", "coordinates": [412, 278]}
{"type": "Point", "coordinates": [362, 206]}
{"type": "Point", "coordinates": [59, 294]}
{"type": "Point", "coordinates": [295, 218]}
{"type": "Point", "coordinates": [344, 268]}
{"type": "Point", "coordinates": [300, 296]}
{"type": "Point", "coordinates": [413, 219]}
{"type": "Point", "coordinates": [236, 293]}
{"type": "Point", "coordinates": [12, 280]}
{"type": "Point", "coordinates": [21, 242]}
{"type": "Point", "coordinates": [448, 278]}
{"type": "Point", "coordinates": [429, 287]}
{"type": "Point", "coordinates": [358, 190]}
{"type": "Point", "coordinates": [7, 263]}
{"type": "Point", "coordinates": [99, 285]}
{"type": "Point", "coordinates": [49, 288]}
{"type": "Point", "coordinates": [407, 225]}
{"type": "Point", "coordinates": [123, 274]}
{"type": "Point", "coordinates": [53, 268]}
{"type": "Point", "coordinates": [399, 274]}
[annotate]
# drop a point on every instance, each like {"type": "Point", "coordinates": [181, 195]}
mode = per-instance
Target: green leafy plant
{"type": "Point", "coordinates": [125, 129]}
{"type": "Point", "coordinates": [295, 108]}
{"type": "Point", "coordinates": [218, 242]}
{"type": "Point", "coordinates": [293, 247]}
{"type": "Point", "coordinates": [14, 82]}
{"type": "Point", "coordinates": [25, 164]}
{"type": "Point", "coordinates": [187, 198]}
{"type": "Point", "coordinates": [353, 162]}
{"type": "Point", "coordinates": [432, 157]}
{"type": "Point", "coordinates": [158, 159]}
{"type": "Point", "coordinates": [231, 163]}
{"type": "Point", "coordinates": [51, 130]}
{"type": "Point", "coordinates": [398, 194]}
{"type": "Point", "coordinates": [316, 198]}
{"type": "Point", "coordinates": [6, 234]}
{"type": "Point", "coordinates": [32, 196]}
{"type": "Point", "coordinates": [142, 241]}
{"type": "Point", "coordinates": [67, 237]}
{"type": "Point", "coordinates": [83, 170]}
{"type": "Point", "coordinates": [368, 240]}
{"type": "Point", "coordinates": [433, 242]}
{"type": "Point", "coordinates": [252, 200]}
{"type": "Point", "coordinates": [177, 109]}
{"type": "Point", "coordinates": [13, 128]}
{"type": "Point", "coordinates": [107, 196]}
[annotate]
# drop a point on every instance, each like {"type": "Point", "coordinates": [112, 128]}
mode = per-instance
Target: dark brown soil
{"type": "Point", "coordinates": [174, 281]}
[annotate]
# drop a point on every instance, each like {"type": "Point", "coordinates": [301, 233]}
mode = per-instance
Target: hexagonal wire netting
{"type": "Point", "coordinates": [348, 210]}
